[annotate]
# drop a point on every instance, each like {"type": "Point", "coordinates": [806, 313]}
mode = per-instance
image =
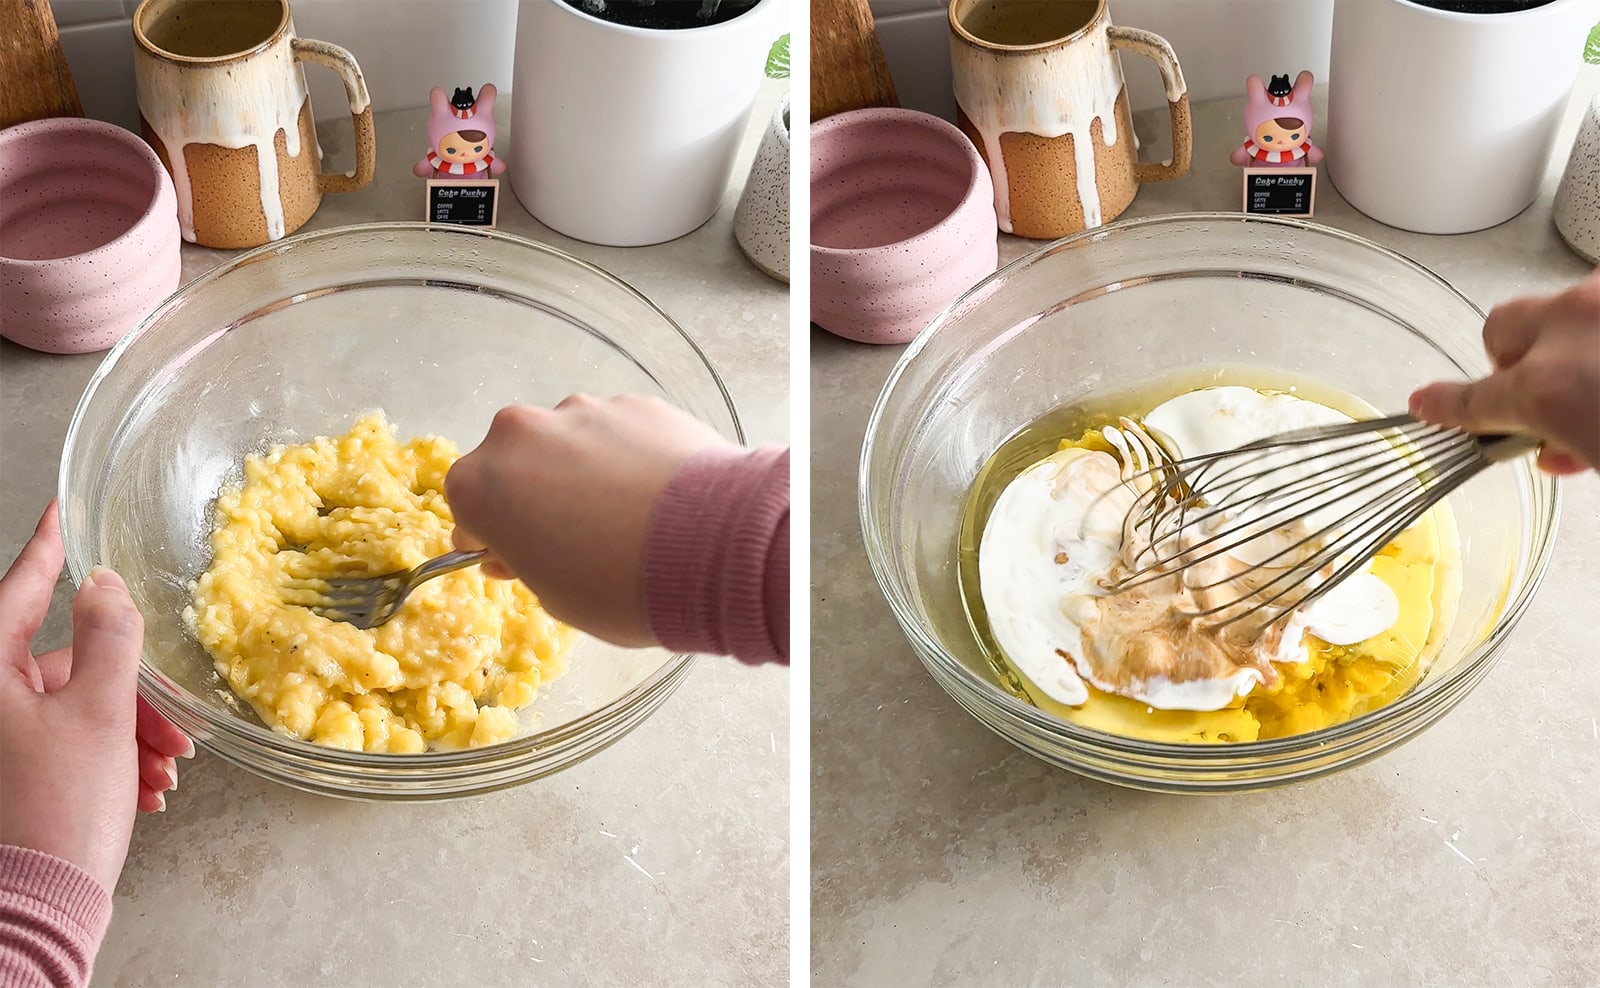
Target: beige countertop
{"type": "Point", "coordinates": [942, 855]}
{"type": "Point", "coordinates": [664, 859]}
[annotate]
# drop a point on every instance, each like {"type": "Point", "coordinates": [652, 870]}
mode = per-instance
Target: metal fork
{"type": "Point", "coordinates": [368, 601]}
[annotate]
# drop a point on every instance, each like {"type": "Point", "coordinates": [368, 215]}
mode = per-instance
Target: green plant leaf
{"type": "Point", "coordinates": [778, 58]}
{"type": "Point", "coordinates": [1591, 48]}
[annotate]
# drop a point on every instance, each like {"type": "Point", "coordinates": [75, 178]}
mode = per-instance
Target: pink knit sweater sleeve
{"type": "Point", "coordinates": [717, 556]}
{"type": "Point", "coordinates": [52, 918]}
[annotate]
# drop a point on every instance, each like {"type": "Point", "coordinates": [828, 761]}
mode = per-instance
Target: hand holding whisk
{"type": "Point", "coordinates": [1546, 382]}
{"type": "Point", "coordinates": [1259, 531]}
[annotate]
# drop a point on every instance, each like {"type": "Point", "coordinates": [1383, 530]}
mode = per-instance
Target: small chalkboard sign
{"type": "Point", "coordinates": [464, 202]}
{"type": "Point", "coordinates": [1280, 191]}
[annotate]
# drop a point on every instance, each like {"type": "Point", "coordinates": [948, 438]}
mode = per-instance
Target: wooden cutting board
{"type": "Point", "coordinates": [848, 70]}
{"type": "Point", "coordinates": [35, 81]}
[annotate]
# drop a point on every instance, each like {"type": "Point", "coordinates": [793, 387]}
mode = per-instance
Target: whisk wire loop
{"type": "Point", "coordinates": [1376, 477]}
{"type": "Point", "coordinates": [1324, 493]}
{"type": "Point", "coordinates": [1376, 529]}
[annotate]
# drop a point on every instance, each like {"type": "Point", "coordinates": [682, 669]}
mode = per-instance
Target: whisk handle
{"type": "Point", "coordinates": [1507, 446]}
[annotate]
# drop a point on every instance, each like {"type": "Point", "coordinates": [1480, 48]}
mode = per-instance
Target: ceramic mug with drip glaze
{"type": "Point", "coordinates": [1039, 90]}
{"type": "Point", "coordinates": [223, 100]}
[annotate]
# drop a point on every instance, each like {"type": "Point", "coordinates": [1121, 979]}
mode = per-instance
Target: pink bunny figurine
{"type": "Point", "coordinates": [460, 136]}
{"type": "Point", "coordinates": [1278, 120]}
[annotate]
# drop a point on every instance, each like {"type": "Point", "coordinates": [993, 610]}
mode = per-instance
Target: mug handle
{"type": "Point", "coordinates": [355, 89]}
{"type": "Point", "coordinates": [1157, 50]}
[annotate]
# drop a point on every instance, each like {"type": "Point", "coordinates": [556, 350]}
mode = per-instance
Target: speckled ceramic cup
{"type": "Point", "coordinates": [1576, 209]}
{"type": "Point", "coordinates": [902, 222]}
{"type": "Point", "coordinates": [223, 100]}
{"type": "Point", "coordinates": [91, 242]}
{"type": "Point", "coordinates": [1039, 90]}
{"type": "Point", "coordinates": [761, 223]}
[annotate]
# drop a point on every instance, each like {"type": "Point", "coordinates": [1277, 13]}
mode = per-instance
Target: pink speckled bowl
{"type": "Point", "coordinates": [902, 222]}
{"type": "Point", "coordinates": [90, 242]}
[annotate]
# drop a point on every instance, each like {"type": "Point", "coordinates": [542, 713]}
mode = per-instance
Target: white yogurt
{"type": "Point", "coordinates": [1214, 420]}
{"type": "Point", "coordinates": [1049, 546]}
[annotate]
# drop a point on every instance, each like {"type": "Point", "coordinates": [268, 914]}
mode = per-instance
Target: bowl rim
{"type": "Point", "coordinates": [979, 188]}
{"type": "Point", "coordinates": [137, 150]}
{"type": "Point", "coordinates": [161, 692]}
{"type": "Point", "coordinates": [1196, 756]}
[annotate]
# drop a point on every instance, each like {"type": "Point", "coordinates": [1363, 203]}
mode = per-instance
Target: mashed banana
{"type": "Point", "coordinates": [449, 671]}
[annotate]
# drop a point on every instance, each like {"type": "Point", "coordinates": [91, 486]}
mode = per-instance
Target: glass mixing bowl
{"type": "Point", "coordinates": [438, 326]}
{"type": "Point", "coordinates": [1148, 298]}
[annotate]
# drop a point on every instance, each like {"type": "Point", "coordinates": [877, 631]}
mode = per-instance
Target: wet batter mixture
{"type": "Point", "coordinates": [1137, 663]}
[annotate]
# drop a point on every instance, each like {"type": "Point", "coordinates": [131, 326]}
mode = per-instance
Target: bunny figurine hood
{"type": "Point", "coordinates": [461, 135]}
{"type": "Point", "coordinates": [1278, 120]}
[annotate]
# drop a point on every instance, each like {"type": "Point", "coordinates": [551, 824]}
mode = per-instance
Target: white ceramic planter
{"type": "Point", "coordinates": [761, 223]}
{"type": "Point", "coordinates": [1577, 204]}
{"type": "Point", "coordinates": [626, 136]}
{"type": "Point", "coordinates": [1442, 122]}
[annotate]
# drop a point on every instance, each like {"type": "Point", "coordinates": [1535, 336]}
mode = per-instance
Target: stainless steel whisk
{"type": "Point", "coordinates": [1380, 475]}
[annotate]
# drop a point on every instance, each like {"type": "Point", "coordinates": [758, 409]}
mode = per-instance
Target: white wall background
{"type": "Point", "coordinates": [404, 47]}
{"type": "Point", "coordinates": [1219, 43]}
